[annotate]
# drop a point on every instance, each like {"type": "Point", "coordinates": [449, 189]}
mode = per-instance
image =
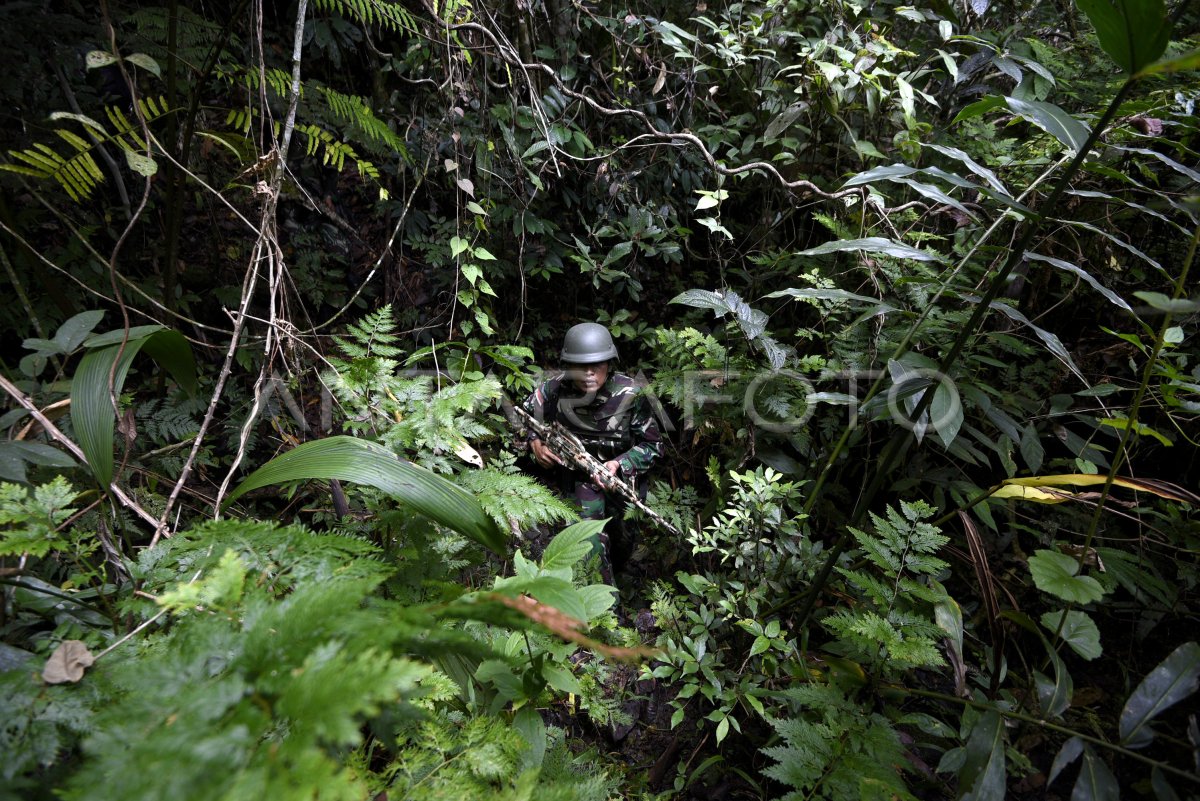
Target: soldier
{"type": "Point", "coordinates": [616, 425]}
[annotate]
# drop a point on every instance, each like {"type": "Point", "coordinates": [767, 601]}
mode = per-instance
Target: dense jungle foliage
{"type": "Point", "coordinates": [910, 287]}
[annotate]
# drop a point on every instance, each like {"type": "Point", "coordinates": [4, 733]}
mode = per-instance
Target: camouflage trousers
{"type": "Point", "coordinates": [617, 539]}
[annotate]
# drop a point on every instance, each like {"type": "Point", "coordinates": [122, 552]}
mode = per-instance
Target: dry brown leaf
{"type": "Point", "coordinates": [68, 662]}
{"type": "Point", "coordinates": [568, 627]}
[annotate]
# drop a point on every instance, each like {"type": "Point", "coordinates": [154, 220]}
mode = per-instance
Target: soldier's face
{"type": "Point", "coordinates": [588, 377]}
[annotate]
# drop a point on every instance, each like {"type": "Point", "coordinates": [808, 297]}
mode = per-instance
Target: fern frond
{"type": "Point", "coordinates": [391, 16]}
{"type": "Point", "coordinates": [516, 496]}
{"type": "Point", "coordinates": [373, 335]}
{"type": "Point", "coordinates": [163, 422]}
{"type": "Point", "coordinates": [278, 81]}
{"type": "Point", "coordinates": [893, 619]}
{"type": "Point", "coordinates": [336, 152]}
{"type": "Point", "coordinates": [354, 109]}
{"type": "Point", "coordinates": [832, 750]}
{"type": "Point", "coordinates": [194, 34]}
{"type": "Point", "coordinates": [78, 174]}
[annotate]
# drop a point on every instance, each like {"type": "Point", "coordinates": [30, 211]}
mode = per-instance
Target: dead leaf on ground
{"type": "Point", "coordinates": [68, 663]}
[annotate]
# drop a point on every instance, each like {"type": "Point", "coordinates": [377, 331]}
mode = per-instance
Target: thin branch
{"type": "Point", "coordinates": [268, 245]}
{"type": "Point", "coordinates": [386, 250]}
{"type": "Point", "coordinates": [75, 450]}
{"type": "Point", "coordinates": [248, 287]}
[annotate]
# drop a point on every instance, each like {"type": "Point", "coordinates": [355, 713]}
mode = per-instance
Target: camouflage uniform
{"type": "Point", "coordinates": [615, 423]}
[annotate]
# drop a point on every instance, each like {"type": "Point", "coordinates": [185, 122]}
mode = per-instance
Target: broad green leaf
{"type": "Point", "coordinates": [1053, 120]}
{"type": "Point", "coordinates": [552, 591]}
{"type": "Point", "coordinates": [947, 614]}
{"type": "Point", "coordinates": [535, 148]}
{"type": "Point", "coordinates": [71, 333]}
{"type": "Point", "coordinates": [15, 454]}
{"type": "Point", "coordinates": [145, 62]}
{"type": "Point", "coordinates": [884, 173]}
{"type": "Point", "coordinates": [1054, 695]}
{"type": "Point", "coordinates": [782, 122]}
{"type": "Point", "coordinates": [1175, 678]}
{"type": "Point", "coordinates": [973, 166]}
{"type": "Point", "coordinates": [597, 599]}
{"type": "Point", "coordinates": [1096, 782]}
{"type": "Point", "coordinates": [714, 225]}
{"type": "Point", "coordinates": [458, 245]}
{"type": "Point", "coordinates": [500, 674]}
{"type": "Point", "coordinates": [937, 195]}
{"type": "Point", "coordinates": [572, 544]}
{"type": "Point", "coordinates": [1133, 32]}
{"type": "Point", "coordinates": [92, 414]}
{"type": "Point", "coordinates": [722, 728]}
{"type": "Point", "coordinates": [141, 163]}
{"type": "Point", "coordinates": [472, 272]}
{"type": "Point", "coordinates": [706, 201]}
{"type": "Point", "coordinates": [946, 412]}
{"type": "Point", "coordinates": [1163, 790]}
{"type": "Point", "coordinates": [1109, 295]}
{"type": "Point", "coordinates": [1031, 447]}
{"type": "Point", "coordinates": [668, 28]}
{"type": "Point", "coordinates": [362, 462]}
{"type": "Point", "coordinates": [983, 772]}
{"type": "Point", "coordinates": [1069, 752]}
{"type": "Point", "coordinates": [1158, 300]}
{"type": "Point", "coordinates": [1078, 631]}
{"type": "Point", "coordinates": [824, 294]}
{"type": "Point", "coordinates": [979, 108]}
{"type": "Point", "coordinates": [483, 254]}
{"type": "Point", "coordinates": [618, 252]}
{"type": "Point", "coordinates": [1055, 573]}
{"type": "Point", "coordinates": [1140, 428]}
{"type": "Point", "coordinates": [560, 134]}
{"type": "Point", "coordinates": [532, 728]}
{"type": "Point", "coordinates": [43, 347]}
{"type": "Point", "coordinates": [874, 244]}
{"type": "Point", "coordinates": [865, 148]}
{"type": "Point", "coordinates": [98, 58]}
{"type": "Point", "coordinates": [1008, 67]}
{"type": "Point", "coordinates": [1185, 63]}
{"type": "Point", "coordinates": [115, 337]}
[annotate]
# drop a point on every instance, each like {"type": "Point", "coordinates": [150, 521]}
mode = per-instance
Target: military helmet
{"type": "Point", "coordinates": [588, 343]}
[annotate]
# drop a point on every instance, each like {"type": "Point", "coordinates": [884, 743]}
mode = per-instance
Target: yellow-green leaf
{"type": "Point", "coordinates": [1163, 489]}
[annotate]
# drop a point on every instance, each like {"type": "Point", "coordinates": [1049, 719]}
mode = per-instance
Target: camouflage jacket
{"type": "Point", "coordinates": [615, 422]}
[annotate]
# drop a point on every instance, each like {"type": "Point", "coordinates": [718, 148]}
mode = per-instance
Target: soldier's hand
{"type": "Point", "coordinates": [613, 468]}
{"type": "Point", "coordinates": [543, 455]}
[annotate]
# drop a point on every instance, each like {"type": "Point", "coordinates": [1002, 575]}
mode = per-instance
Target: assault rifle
{"type": "Point", "coordinates": [568, 448]}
